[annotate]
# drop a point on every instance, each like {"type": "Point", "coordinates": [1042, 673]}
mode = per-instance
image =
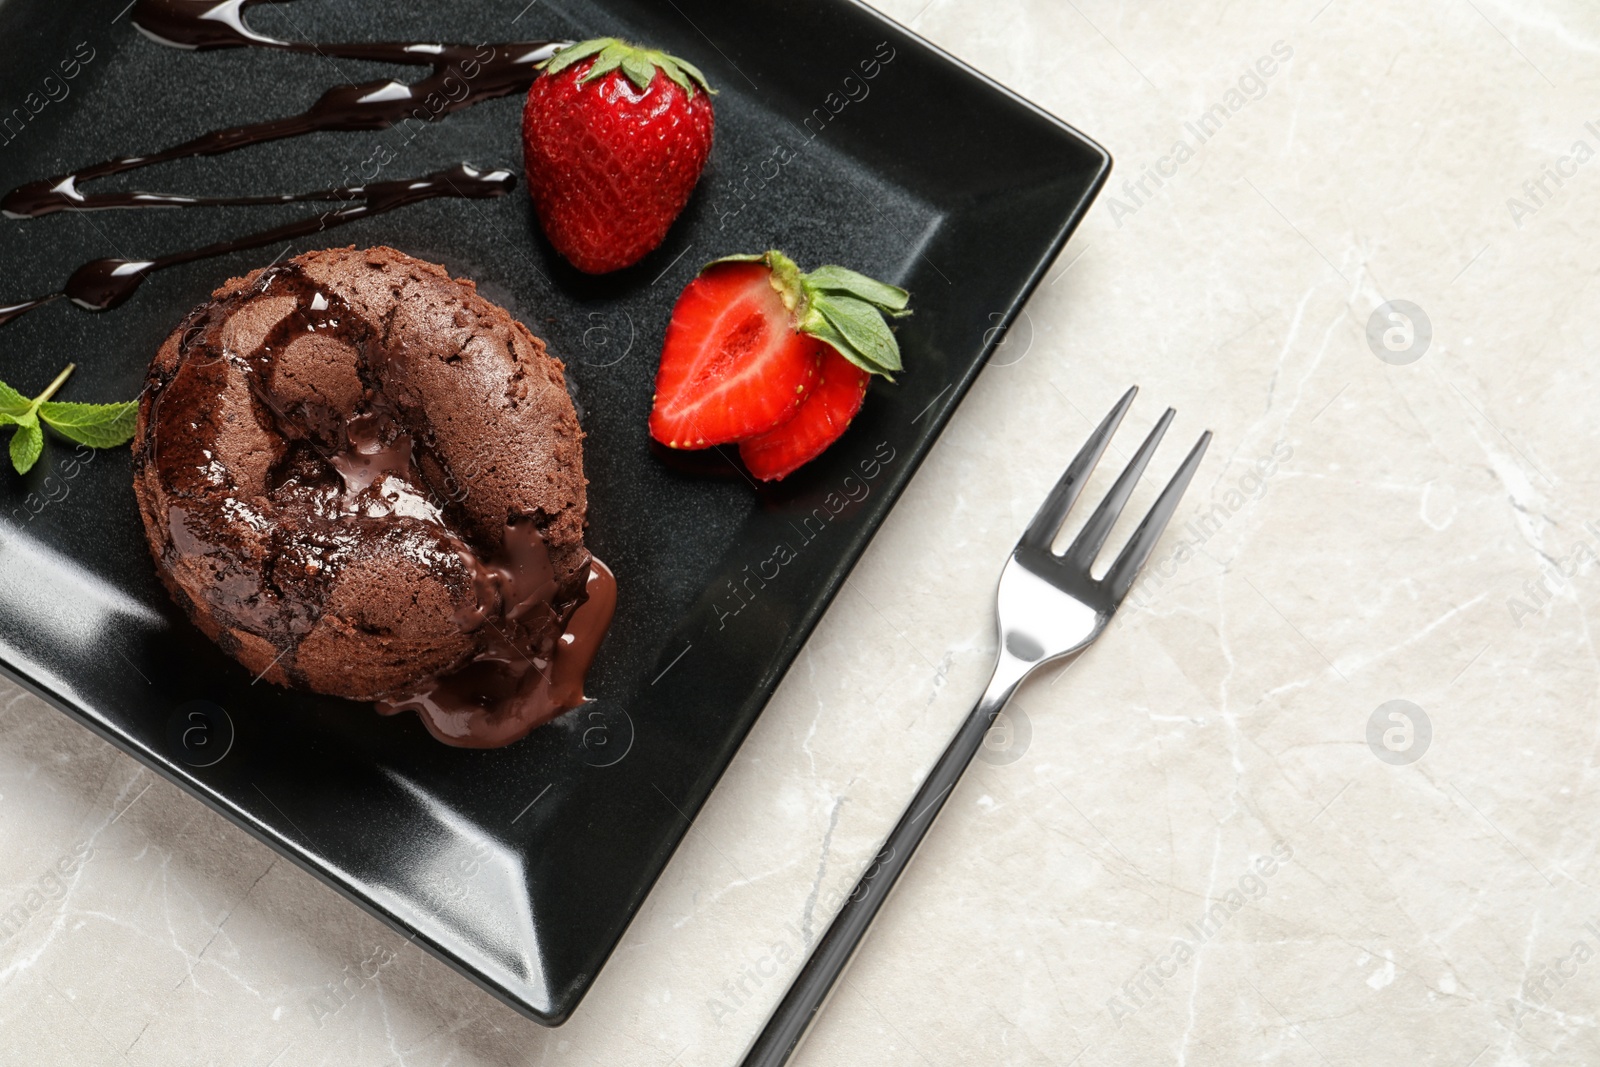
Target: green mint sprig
{"type": "Point", "coordinates": [95, 425]}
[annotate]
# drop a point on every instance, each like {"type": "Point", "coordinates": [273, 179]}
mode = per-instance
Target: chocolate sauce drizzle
{"type": "Point", "coordinates": [459, 77]}
{"type": "Point", "coordinates": [103, 284]}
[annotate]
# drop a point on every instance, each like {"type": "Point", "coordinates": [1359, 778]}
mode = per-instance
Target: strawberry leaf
{"type": "Point", "coordinates": [572, 53]}
{"type": "Point", "coordinates": [27, 443]}
{"type": "Point", "coordinates": [835, 279]}
{"type": "Point", "coordinates": [862, 325]}
{"type": "Point", "coordinates": [822, 330]}
{"type": "Point", "coordinates": [694, 73]}
{"type": "Point", "coordinates": [639, 70]}
{"type": "Point", "coordinates": [95, 425]}
{"type": "Point", "coordinates": [638, 64]}
{"type": "Point", "coordinates": [610, 59]}
{"type": "Point", "coordinates": [739, 257]}
{"type": "Point", "coordinates": [673, 69]}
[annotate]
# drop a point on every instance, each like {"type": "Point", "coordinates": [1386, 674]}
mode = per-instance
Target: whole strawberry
{"type": "Point", "coordinates": [615, 138]}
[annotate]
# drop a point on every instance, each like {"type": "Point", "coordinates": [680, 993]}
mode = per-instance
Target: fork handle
{"type": "Point", "coordinates": [811, 988]}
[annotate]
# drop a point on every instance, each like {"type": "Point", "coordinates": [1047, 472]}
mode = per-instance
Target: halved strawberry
{"type": "Point", "coordinates": [746, 340]}
{"type": "Point", "coordinates": [733, 365]}
{"type": "Point", "coordinates": [832, 403]}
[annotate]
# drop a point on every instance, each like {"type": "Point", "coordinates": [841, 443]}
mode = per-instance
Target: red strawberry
{"type": "Point", "coordinates": [614, 138]}
{"type": "Point", "coordinates": [733, 365]}
{"type": "Point", "coordinates": [742, 352]}
{"type": "Point", "coordinates": [832, 403]}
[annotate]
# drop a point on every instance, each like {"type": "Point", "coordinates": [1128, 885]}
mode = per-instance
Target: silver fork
{"type": "Point", "coordinates": [1049, 606]}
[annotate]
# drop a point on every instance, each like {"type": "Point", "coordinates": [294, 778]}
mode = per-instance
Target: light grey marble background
{"type": "Point", "coordinates": [1189, 853]}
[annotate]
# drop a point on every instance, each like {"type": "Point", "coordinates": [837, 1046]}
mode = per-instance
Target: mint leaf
{"type": "Point", "coordinates": [27, 443]}
{"type": "Point", "coordinates": [95, 425]}
{"type": "Point", "coordinates": [837, 279]}
{"type": "Point", "coordinates": [12, 402]}
{"type": "Point", "coordinates": [862, 325]}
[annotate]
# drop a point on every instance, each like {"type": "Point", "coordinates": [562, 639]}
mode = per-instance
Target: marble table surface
{"type": "Point", "coordinates": [1356, 239]}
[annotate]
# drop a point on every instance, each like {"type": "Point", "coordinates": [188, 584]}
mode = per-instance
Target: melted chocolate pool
{"type": "Point", "coordinates": [508, 690]}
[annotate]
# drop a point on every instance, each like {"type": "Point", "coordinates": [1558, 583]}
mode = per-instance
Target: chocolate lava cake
{"type": "Point", "coordinates": [356, 474]}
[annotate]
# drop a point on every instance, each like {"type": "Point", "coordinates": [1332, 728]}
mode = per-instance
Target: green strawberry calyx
{"type": "Point", "coordinates": [639, 64]}
{"type": "Point", "coordinates": [839, 307]}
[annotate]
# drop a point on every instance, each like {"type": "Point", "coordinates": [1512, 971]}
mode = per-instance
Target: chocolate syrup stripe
{"type": "Point", "coordinates": [461, 76]}
{"type": "Point", "coordinates": [105, 283]}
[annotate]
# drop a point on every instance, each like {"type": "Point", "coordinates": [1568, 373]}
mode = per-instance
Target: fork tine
{"type": "Point", "coordinates": [1042, 530]}
{"type": "Point", "coordinates": [1119, 579]}
{"type": "Point", "coordinates": [1086, 546]}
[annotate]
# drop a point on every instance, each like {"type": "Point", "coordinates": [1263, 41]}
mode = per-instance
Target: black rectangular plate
{"type": "Point", "coordinates": [520, 867]}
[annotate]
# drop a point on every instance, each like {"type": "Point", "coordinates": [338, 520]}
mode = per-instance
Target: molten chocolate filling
{"type": "Point", "coordinates": [509, 688]}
